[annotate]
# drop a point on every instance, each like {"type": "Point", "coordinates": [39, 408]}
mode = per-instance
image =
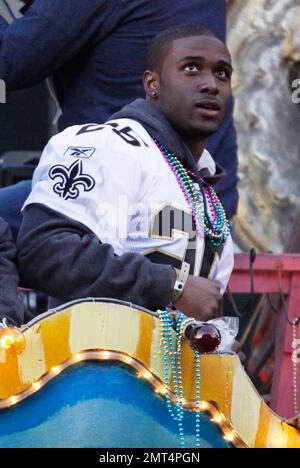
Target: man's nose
{"type": "Point", "coordinates": [208, 84]}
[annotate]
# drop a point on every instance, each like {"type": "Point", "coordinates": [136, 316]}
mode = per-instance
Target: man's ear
{"type": "Point", "coordinates": [151, 84]}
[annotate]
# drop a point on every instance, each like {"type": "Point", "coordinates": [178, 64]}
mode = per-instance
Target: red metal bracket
{"type": "Point", "coordinates": [272, 273]}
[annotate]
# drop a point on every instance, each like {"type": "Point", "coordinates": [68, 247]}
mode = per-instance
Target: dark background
{"type": "Point", "coordinates": [24, 120]}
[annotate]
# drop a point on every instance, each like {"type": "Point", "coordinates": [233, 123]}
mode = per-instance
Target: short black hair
{"type": "Point", "coordinates": [162, 43]}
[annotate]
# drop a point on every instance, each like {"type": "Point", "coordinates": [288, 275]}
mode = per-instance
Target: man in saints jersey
{"type": "Point", "coordinates": [127, 210]}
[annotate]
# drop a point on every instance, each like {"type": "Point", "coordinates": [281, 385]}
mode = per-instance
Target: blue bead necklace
{"type": "Point", "coordinates": [211, 223]}
{"type": "Point", "coordinates": [172, 371]}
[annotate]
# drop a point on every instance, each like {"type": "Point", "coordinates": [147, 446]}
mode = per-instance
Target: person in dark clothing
{"type": "Point", "coordinates": [74, 243]}
{"type": "Point", "coordinates": [11, 307]}
{"type": "Point", "coordinates": [95, 50]}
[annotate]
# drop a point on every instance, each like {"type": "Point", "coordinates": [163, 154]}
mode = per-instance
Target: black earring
{"type": "Point", "coordinates": [155, 94]}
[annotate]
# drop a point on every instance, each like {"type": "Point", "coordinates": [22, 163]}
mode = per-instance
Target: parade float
{"type": "Point", "coordinates": [100, 373]}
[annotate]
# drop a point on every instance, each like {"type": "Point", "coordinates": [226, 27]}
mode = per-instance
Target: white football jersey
{"type": "Point", "coordinates": [113, 179]}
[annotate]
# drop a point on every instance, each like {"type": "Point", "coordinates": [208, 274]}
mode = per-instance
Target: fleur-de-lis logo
{"type": "Point", "coordinates": [71, 180]}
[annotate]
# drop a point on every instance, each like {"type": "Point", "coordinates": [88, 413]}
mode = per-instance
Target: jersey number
{"type": "Point", "coordinates": [167, 223]}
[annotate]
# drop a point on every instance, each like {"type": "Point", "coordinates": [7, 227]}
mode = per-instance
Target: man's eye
{"type": "Point", "coordinates": [222, 74]}
{"type": "Point", "coordinates": [191, 67]}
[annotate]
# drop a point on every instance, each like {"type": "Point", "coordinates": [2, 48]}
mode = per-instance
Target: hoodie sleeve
{"type": "Point", "coordinates": [49, 35]}
{"type": "Point", "coordinates": [11, 306]}
{"type": "Point", "coordinates": [64, 259]}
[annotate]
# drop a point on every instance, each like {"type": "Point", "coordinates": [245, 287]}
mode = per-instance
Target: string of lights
{"type": "Point", "coordinates": [10, 342]}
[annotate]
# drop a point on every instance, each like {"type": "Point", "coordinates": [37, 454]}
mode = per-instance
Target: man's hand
{"type": "Point", "coordinates": [201, 299]}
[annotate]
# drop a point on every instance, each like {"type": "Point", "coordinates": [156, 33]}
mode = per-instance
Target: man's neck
{"type": "Point", "coordinates": [196, 148]}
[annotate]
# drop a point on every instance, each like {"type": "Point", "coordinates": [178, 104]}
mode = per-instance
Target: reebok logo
{"type": "Point", "coordinates": [80, 152]}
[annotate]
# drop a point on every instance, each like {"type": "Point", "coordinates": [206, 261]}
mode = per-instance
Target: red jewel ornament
{"type": "Point", "coordinates": [203, 337]}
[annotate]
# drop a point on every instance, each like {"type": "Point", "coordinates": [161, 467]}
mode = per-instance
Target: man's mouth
{"type": "Point", "coordinates": [209, 107]}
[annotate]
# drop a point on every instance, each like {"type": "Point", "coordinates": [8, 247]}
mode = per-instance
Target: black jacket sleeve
{"type": "Point", "coordinates": [65, 260]}
{"type": "Point", "coordinates": [11, 306]}
{"type": "Point", "coordinates": [49, 35]}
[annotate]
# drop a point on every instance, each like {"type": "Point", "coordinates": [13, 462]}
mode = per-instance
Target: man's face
{"type": "Point", "coordinates": [194, 86]}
